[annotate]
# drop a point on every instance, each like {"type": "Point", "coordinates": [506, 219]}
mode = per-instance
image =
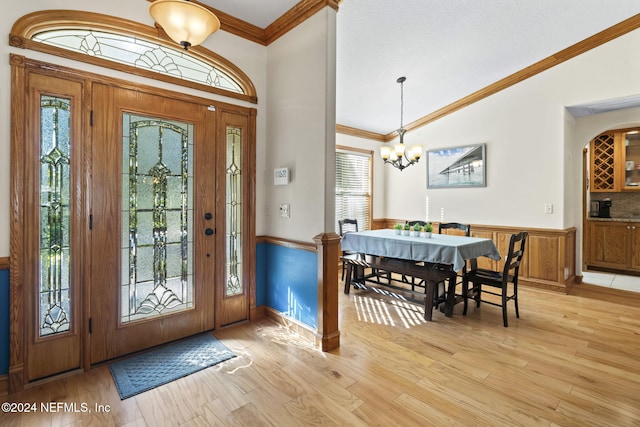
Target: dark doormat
{"type": "Point", "coordinates": [163, 365]}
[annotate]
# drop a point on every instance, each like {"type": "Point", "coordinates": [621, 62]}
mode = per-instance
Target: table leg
{"type": "Point", "coordinates": [429, 294]}
{"type": "Point", "coordinates": [451, 297]}
{"type": "Point", "coordinates": [347, 281]}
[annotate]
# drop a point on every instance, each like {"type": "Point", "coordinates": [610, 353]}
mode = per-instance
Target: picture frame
{"type": "Point", "coordinates": [457, 167]}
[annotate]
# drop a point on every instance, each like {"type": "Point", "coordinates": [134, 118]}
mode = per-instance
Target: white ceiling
{"type": "Point", "coordinates": [447, 49]}
{"type": "Point", "coordinates": [260, 13]}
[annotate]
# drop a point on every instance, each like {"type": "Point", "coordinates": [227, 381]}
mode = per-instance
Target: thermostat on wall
{"type": "Point", "coordinates": [281, 176]}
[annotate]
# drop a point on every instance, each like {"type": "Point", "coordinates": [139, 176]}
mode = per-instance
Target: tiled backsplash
{"type": "Point", "coordinates": [623, 205]}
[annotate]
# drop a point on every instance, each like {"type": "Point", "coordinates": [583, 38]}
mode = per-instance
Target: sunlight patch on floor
{"type": "Point", "coordinates": [378, 311]}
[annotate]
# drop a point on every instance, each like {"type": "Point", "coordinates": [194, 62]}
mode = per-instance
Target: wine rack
{"type": "Point", "coordinates": [602, 163]}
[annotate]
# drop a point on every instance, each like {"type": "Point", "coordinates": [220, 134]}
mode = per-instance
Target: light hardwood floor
{"type": "Point", "coordinates": [570, 360]}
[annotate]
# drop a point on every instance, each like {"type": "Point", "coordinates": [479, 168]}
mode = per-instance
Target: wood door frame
{"type": "Point", "coordinates": [21, 67]}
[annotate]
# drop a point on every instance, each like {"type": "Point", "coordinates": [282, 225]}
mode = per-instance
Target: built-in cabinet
{"type": "Point", "coordinates": [631, 141]}
{"type": "Point", "coordinates": [615, 161]}
{"type": "Point", "coordinates": [613, 245]}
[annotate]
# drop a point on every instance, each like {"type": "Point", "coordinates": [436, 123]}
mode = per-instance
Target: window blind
{"type": "Point", "coordinates": [353, 187]}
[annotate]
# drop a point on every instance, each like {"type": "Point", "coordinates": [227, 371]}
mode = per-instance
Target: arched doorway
{"type": "Point", "coordinates": [586, 129]}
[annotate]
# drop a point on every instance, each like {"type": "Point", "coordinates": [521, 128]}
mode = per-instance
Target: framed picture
{"type": "Point", "coordinates": [457, 167]}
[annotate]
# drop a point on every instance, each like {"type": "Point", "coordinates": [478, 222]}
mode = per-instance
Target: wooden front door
{"type": "Point", "coordinates": [134, 221]}
{"type": "Point", "coordinates": [153, 215]}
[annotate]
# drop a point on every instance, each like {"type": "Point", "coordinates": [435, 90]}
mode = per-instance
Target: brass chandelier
{"type": "Point", "coordinates": [399, 155]}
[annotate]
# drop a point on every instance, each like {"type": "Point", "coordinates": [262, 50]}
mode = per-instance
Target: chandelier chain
{"type": "Point", "coordinates": [401, 103]}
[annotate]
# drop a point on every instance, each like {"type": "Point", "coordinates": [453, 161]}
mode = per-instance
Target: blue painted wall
{"type": "Point", "coordinates": [261, 279]}
{"type": "Point", "coordinates": [4, 322]}
{"type": "Point", "coordinates": [288, 281]}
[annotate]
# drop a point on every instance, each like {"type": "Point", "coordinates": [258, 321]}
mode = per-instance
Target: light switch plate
{"type": "Point", "coordinates": [284, 210]}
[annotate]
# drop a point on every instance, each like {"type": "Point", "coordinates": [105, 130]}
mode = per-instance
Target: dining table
{"type": "Point", "coordinates": [397, 253]}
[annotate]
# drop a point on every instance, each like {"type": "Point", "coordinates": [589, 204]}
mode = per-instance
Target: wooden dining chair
{"type": "Point", "coordinates": [456, 227]}
{"type": "Point", "coordinates": [497, 279]}
{"type": "Point", "coordinates": [345, 226]}
{"type": "Point", "coordinates": [420, 223]}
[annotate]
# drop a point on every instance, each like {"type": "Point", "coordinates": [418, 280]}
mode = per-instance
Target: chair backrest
{"type": "Point", "coordinates": [420, 223]}
{"type": "Point", "coordinates": [465, 228]}
{"type": "Point", "coordinates": [514, 257]}
{"type": "Point", "coordinates": [346, 225]}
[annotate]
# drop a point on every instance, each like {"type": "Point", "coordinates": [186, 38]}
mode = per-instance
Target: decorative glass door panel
{"type": "Point", "coordinates": [237, 174]}
{"type": "Point", "coordinates": [234, 212]}
{"type": "Point", "coordinates": [151, 266]}
{"type": "Point", "coordinates": [55, 314]}
{"type": "Point", "coordinates": [157, 217]}
{"type": "Point", "coordinates": [50, 171]}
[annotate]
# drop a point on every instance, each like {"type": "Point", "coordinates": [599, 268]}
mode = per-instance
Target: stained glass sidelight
{"type": "Point", "coordinates": [55, 197]}
{"type": "Point", "coordinates": [157, 217]}
{"type": "Point", "coordinates": [234, 211]}
{"type": "Point", "coordinates": [139, 53]}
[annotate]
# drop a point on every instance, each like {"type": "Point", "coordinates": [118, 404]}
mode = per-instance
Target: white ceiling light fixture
{"type": "Point", "coordinates": [399, 153]}
{"type": "Point", "coordinates": [187, 23]}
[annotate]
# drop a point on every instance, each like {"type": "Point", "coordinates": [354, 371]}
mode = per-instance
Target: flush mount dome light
{"type": "Point", "coordinates": [187, 23]}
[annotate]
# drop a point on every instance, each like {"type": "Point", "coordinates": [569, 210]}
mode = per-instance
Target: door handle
{"type": "Point", "coordinates": [208, 216]}
{"type": "Point", "coordinates": [209, 231]}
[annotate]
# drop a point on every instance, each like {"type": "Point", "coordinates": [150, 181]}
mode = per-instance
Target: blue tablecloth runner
{"type": "Point", "coordinates": [440, 248]}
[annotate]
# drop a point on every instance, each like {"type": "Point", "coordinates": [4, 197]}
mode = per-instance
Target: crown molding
{"type": "Point", "coordinates": [306, 8]}
{"type": "Point", "coordinates": [346, 130]}
{"type": "Point", "coordinates": [291, 19]}
{"type": "Point", "coordinates": [236, 26]}
{"type": "Point", "coordinates": [579, 48]}
{"type": "Point", "coordinates": [295, 16]}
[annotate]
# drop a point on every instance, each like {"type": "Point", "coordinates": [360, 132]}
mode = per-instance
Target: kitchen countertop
{"type": "Point", "coordinates": [632, 219]}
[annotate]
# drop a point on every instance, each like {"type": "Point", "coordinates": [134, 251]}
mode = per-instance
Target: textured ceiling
{"type": "Point", "coordinates": [447, 49]}
{"type": "Point", "coordinates": [260, 13]}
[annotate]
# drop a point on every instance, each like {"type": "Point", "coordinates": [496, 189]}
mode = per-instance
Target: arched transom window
{"type": "Point", "coordinates": [140, 53]}
{"type": "Point", "coordinates": [131, 47]}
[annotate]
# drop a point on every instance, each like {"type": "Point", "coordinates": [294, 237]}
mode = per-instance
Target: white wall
{"type": "Point", "coordinates": [301, 130]}
{"type": "Point", "coordinates": [521, 156]}
{"type": "Point", "coordinates": [249, 57]}
{"type": "Point", "coordinates": [534, 156]}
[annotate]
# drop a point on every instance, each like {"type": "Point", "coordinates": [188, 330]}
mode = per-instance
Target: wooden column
{"type": "Point", "coordinates": [327, 247]}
